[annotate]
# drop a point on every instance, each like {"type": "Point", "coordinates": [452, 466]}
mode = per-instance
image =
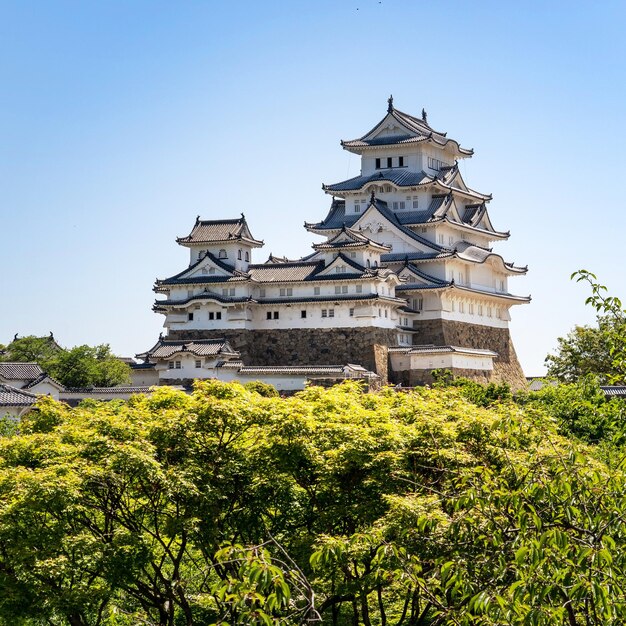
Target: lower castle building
{"type": "Point", "coordinates": [405, 280]}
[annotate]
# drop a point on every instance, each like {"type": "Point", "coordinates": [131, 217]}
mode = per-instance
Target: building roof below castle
{"type": "Point", "coordinates": [12, 396]}
{"type": "Point", "coordinates": [19, 371]}
{"type": "Point", "coordinates": [165, 348]}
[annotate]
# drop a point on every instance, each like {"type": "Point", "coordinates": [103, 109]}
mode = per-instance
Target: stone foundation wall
{"type": "Point", "coordinates": [313, 346]}
{"type": "Point", "coordinates": [369, 347]}
{"type": "Point", "coordinates": [446, 332]}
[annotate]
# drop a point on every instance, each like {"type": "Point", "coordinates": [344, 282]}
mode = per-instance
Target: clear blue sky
{"type": "Point", "coordinates": [121, 121]}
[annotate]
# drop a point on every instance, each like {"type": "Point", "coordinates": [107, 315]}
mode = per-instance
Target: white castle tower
{"type": "Point", "coordinates": [406, 281]}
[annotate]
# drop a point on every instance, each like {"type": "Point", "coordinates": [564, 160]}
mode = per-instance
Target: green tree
{"type": "Point", "coordinates": [87, 366]}
{"type": "Point", "coordinates": [31, 349]}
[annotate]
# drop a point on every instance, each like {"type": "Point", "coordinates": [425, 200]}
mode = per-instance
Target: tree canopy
{"type": "Point", "coordinates": [81, 366]}
{"type": "Point", "coordinates": [232, 507]}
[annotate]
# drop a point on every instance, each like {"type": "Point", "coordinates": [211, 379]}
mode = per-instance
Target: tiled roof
{"type": "Point", "coordinates": [309, 370]}
{"type": "Point", "coordinates": [208, 295]}
{"type": "Point", "coordinates": [284, 272]}
{"type": "Point", "coordinates": [331, 298]}
{"type": "Point", "coordinates": [108, 391]}
{"type": "Point", "coordinates": [41, 378]}
{"type": "Point", "coordinates": [432, 349]}
{"type": "Point", "coordinates": [396, 257]}
{"type": "Point", "coordinates": [11, 396]}
{"type": "Point", "coordinates": [348, 238]}
{"type": "Point", "coordinates": [211, 231]}
{"type": "Point", "coordinates": [143, 366]}
{"type": "Point", "coordinates": [177, 277]}
{"type": "Point", "coordinates": [399, 177]}
{"type": "Point", "coordinates": [614, 391]}
{"type": "Point", "coordinates": [19, 371]}
{"type": "Point", "coordinates": [416, 130]}
{"type": "Point", "coordinates": [164, 348]}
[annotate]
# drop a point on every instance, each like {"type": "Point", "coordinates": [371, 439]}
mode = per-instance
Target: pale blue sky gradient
{"type": "Point", "coordinates": [122, 121]}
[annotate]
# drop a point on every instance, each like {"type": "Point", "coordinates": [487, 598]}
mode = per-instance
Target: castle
{"type": "Point", "coordinates": [405, 281]}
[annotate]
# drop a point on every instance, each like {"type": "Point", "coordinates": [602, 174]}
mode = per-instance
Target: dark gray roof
{"type": "Point", "coordinates": [212, 231]}
{"type": "Point", "coordinates": [164, 348]}
{"type": "Point", "coordinates": [432, 349]}
{"type": "Point", "coordinates": [177, 277]}
{"type": "Point", "coordinates": [11, 396]}
{"type": "Point", "coordinates": [331, 298]}
{"type": "Point", "coordinates": [41, 378]}
{"type": "Point", "coordinates": [400, 177]}
{"type": "Point", "coordinates": [416, 130]}
{"type": "Point", "coordinates": [348, 238]}
{"type": "Point", "coordinates": [614, 391]}
{"type": "Point", "coordinates": [19, 371]}
{"type": "Point", "coordinates": [285, 272]}
{"type": "Point", "coordinates": [143, 366]}
{"type": "Point", "coordinates": [207, 295]}
{"type": "Point", "coordinates": [396, 257]}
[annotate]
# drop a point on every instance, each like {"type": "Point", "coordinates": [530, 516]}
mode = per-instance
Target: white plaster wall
{"type": "Point", "coordinates": [143, 378]}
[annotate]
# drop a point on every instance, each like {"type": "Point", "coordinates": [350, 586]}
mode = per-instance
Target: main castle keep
{"type": "Point", "coordinates": [404, 282]}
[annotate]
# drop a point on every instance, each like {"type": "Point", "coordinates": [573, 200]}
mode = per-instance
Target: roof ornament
{"type": "Point", "coordinates": [15, 337]}
{"type": "Point", "coordinates": [197, 218]}
{"type": "Point", "coordinates": [243, 217]}
{"type": "Point", "coordinates": [160, 336]}
{"type": "Point", "coordinates": [51, 337]}
{"type": "Point", "coordinates": [390, 104]}
{"type": "Point", "coordinates": [373, 197]}
{"type": "Point", "coordinates": [424, 116]}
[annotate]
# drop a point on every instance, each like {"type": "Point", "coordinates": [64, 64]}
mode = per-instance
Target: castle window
{"type": "Point", "coordinates": [231, 292]}
{"type": "Point", "coordinates": [239, 255]}
{"type": "Point", "coordinates": [386, 312]}
{"type": "Point", "coordinates": [177, 365]}
{"type": "Point", "coordinates": [269, 315]}
{"type": "Point", "coordinates": [261, 293]}
{"type": "Point", "coordinates": [359, 288]}
{"type": "Point", "coordinates": [353, 255]}
{"type": "Point", "coordinates": [402, 204]}
{"type": "Point", "coordinates": [418, 304]}
{"type": "Point", "coordinates": [198, 363]}
{"type": "Point", "coordinates": [400, 161]}
{"type": "Point", "coordinates": [395, 206]}
{"type": "Point", "coordinates": [440, 238]}
{"type": "Point", "coordinates": [247, 256]}
{"type": "Point", "coordinates": [170, 365]}
{"type": "Point", "coordinates": [324, 312]}
{"type": "Point", "coordinates": [368, 263]}
{"type": "Point", "coordinates": [205, 270]}
{"type": "Point", "coordinates": [377, 164]}
{"type": "Point", "coordinates": [222, 254]}
{"type": "Point", "coordinates": [218, 315]}
{"type": "Point", "coordinates": [489, 311]}
{"type": "Point", "coordinates": [316, 291]}
{"type": "Point", "coordinates": [461, 307]}
{"type": "Point", "coordinates": [189, 293]}
{"type": "Point", "coordinates": [380, 313]}
{"type": "Point", "coordinates": [480, 309]}
{"type": "Point", "coordinates": [388, 188]}
{"type": "Point", "coordinates": [303, 314]}
{"type": "Point", "coordinates": [389, 162]}
{"type": "Point", "coordinates": [453, 305]}
{"type": "Point", "coordinates": [211, 270]}
{"type": "Point", "coordinates": [337, 289]}
{"type": "Point", "coordinates": [190, 317]}
{"type": "Point", "coordinates": [224, 292]}
{"type": "Point", "coordinates": [450, 240]}
{"type": "Point", "coordinates": [331, 312]}
{"type": "Point", "coordinates": [471, 309]}
{"type": "Point", "coordinates": [275, 315]}
{"type": "Point", "coordinates": [211, 315]}
{"type": "Point", "coordinates": [344, 289]}
{"type": "Point", "coordinates": [415, 202]}
{"type": "Point", "coordinates": [351, 312]}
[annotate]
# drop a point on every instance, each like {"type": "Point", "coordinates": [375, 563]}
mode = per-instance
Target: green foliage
{"type": "Point", "coordinates": [31, 349]}
{"type": "Point", "coordinates": [81, 366]}
{"type": "Point", "coordinates": [87, 366]}
{"type": "Point", "coordinates": [230, 507]}
{"type": "Point", "coordinates": [585, 350]}
{"type": "Point", "coordinates": [581, 409]}
{"type": "Point", "coordinates": [480, 395]}
{"type": "Point", "coordinates": [263, 389]}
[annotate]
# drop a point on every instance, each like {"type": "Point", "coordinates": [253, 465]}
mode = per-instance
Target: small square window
{"type": "Point", "coordinates": [190, 317]}
{"type": "Point", "coordinates": [351, 312]}
{"type": "Point", "coordinates": [189, 293]}
{"type": "Point", "coordinates": [324, 313]}
{"type": "Point", "coordinates": [331, 312]}
{"type": "Point", "coordinates": [344, 289]}
{"type": "Point", "coordinates": [377, 164]}
{"type": "Point", "coordinates": [198, 363]}
{"type": "Point", "coordinates": [261, 293]}
{"type": "Point", "coordinates": [302, 314]}
{"type": "Point", "coordinates": [211, 315]}
{"type": "Point", "coordinates": [316, 291]}
{"type": "Point", "coordinates": [211, 270]}
{"type": "Point", "coordinates": [289, 291]}
{"type": "Point", "coordinates": [282, 292]}
{"type": "Point", "coordinates": [337, 290]}
{"type": "Point", "coordinates": [275, 315]}
{"type": "Point", "coordinates": [204, 270]}
{"type": "Point", "coordinates": [395, 206]}
{"type": "Point", "coordinates": [177, 365]}
{"type": "Point", "coordinates": [359, 288]}
{"type": "Point", "coordinates": [389, 162]}
{"type": "Point", "coordinates": [401, 161]}
{"type": "Point", "coordinates": [224, 292]}
{"type": "Point", "coordinates": [232, 292]}
{"type": "Point", "coordinates": [402, 204]}
{"type": "Point", "coordinates": [218, 315]}
{"type": "Point", "coordinates": [269, 315]}
{"type": "Point", "coordinates": [170, 365]}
